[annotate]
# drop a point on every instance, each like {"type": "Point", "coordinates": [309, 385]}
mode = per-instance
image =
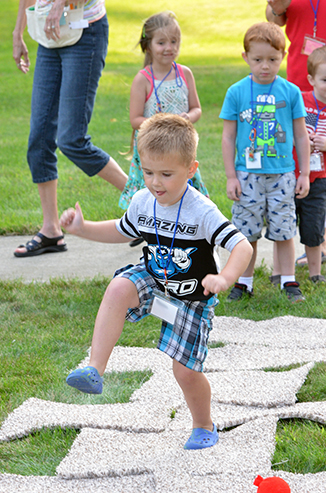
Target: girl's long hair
{"type": "Point", "coordinates": [163, 20]}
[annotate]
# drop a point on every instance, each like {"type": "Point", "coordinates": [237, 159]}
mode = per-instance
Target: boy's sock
{"type": "Point", "coordinates": [248, 281]}
{"type": "Point", "coordinates": [285, 279]}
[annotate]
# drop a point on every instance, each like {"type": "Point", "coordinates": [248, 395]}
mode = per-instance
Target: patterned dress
{"type": "Point", "coordinates": [173, 95]}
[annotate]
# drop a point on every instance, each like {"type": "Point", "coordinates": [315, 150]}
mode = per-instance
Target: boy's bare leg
{"type": "Point", "coordinates": [286, 256]}
{"type": "Point", "coordinates": [323, 245]}
{"type": "Point", "coordinates": [120, 295]}
{"type": "Point", "coordinates": [197, 392]}
{"type": "Point", "coordinates": [304, 261]}
{"type": "Point", "coordinates": [314, 259]}
{"type": "Point", "coordinates": [276, 263]}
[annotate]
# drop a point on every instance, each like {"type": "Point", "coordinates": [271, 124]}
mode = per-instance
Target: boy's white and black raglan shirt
{"type": "Point", "coordinates": [201, 226]}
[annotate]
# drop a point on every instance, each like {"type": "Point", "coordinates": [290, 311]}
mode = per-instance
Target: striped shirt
{"type": "Point", "coordinates": [93, 9]}
{"type": "Point", "coordinates": [200, 227]}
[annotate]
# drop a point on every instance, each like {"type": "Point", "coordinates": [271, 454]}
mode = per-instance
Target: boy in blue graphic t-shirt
{"type": "Point", "coordinates": [262, 115]}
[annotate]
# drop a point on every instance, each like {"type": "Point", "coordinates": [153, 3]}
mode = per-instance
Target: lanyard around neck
{"type": "Point", "coordinates": [178, 81]}
{"type": "Point", "coordinates": [318, 110]}
{"type": "Point", "coordinates": [315, 10]}
{"type": "Point", "coordinates": [253, 131]}
{"type": "Point", "coordinates": [174, 233]}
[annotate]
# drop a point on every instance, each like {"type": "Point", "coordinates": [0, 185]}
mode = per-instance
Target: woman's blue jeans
{"type": "Point", "coordinates": [64, 90]}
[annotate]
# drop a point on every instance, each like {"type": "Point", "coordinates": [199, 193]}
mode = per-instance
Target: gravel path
{"type": "Point", "coordinates": [137, 447]}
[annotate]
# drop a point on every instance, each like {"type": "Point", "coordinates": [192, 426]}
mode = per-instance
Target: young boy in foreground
{"type": "Point", "coordinates": [181, 228]}
{"type": "Point", "coordinates": [262, 114]}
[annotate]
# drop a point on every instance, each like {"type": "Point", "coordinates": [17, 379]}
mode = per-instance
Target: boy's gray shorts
{"type": "Point", "coordinates": [266, 200]}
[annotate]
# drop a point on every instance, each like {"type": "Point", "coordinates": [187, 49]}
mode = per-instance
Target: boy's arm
{"type": "Point", "coordinates": [73, 222]}
{"type": "Point", "coordinates": [233, 188]}
{"type": "Point", "coordinates": [275, 11]}
{"type": "Point", "coordinates": [237, 263]}
{"type": "Point", "coordinates": [302, 144]}
{"type": "Point", "coordinates": [194, 112]}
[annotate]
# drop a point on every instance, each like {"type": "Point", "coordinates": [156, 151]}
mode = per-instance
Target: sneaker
{"type": "Point", "coordinates": [86, 380]}
{"type": "Point", "coordinates": [275, 280]}
{"type": "Point", "coordinates": [293, 292]}
{"type": "Point", "coordinates": [238, 291]}
{"type": "Point", "coordinates": [317, 279]}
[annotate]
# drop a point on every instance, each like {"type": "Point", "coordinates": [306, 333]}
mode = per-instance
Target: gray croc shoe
{"type": "Point", "coordinates": [87, 380]}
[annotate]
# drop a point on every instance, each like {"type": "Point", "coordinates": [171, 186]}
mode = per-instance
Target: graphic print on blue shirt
{"type": "Point", "coordinates": [281, 110]}
{"type": "Point", "coordinates": [261, 115]}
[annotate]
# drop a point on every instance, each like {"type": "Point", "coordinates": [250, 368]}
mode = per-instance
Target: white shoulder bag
{"type": "Point", "coordinates": [71, 25]}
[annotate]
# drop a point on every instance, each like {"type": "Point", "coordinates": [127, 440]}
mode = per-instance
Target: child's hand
{"type": "Point", "coordinates": [319, 143]}
{"type": "Point", "coordinates": [233, 188]}
{"type": "Point", "coordinates": [311, 142]}
{"type": "Point", "coordinates": [302, 187]}
{"type": "Point", "coordinates": [279, 6]}
{"type": "Point", "coordinates": [214, 283]}
{"type": "Point", "coordinates": [72, 220]}
{"type": "Point", "coordinates": [184, 115]}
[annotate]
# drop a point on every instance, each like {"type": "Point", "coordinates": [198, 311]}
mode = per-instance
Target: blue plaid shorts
{"type": "Point", "coordinates": [186, 340]}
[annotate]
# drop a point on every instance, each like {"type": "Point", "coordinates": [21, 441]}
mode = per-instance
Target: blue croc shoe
{"type": "Point", "coordinates": [86, 380]}
{"type": "Point", "coordinates": [201, 438]}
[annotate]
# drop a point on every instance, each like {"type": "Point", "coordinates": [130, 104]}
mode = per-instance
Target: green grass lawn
{"type": "Point", "coordinates": [46, 328]}
{"type": "Point", "coordinates": [214, 55]}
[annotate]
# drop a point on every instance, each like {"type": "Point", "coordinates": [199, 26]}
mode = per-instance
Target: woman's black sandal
{"type": "Point", "coordinates": [46, 245]}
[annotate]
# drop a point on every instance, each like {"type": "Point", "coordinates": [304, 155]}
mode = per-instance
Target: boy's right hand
{"type": "Point", "coordinates": [233, 189]}
{"type": "Point", "coordinates": [302, 187]}
{"type": "Point", "coordinates": [72, 220]}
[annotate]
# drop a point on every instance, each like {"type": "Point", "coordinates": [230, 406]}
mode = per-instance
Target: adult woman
{"type": "Point", "coordinates": [64, 89]}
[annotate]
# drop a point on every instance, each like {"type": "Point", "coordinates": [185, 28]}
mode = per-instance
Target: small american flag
{"type": "Point", "coordinates": [311, 120]}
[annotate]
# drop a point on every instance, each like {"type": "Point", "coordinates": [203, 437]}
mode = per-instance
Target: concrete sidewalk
{"type": "Point", "coordinates": [86, 259]}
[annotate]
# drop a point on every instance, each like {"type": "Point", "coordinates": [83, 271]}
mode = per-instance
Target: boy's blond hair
{"type": "Point", "coordinates": [168, 134]}
{"type": "Point", "coordinates": [316, 58]}
{"type": "Point", "coordinates": [265, 32]}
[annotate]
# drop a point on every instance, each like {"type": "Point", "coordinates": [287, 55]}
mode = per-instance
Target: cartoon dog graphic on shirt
{"type": "Point", "coordinates": [180, 262]}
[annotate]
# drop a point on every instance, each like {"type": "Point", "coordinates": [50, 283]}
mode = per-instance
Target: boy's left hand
{"type": "Point", "coordinates": [302, 187]}
{"type": "Point", "coordinates": [214, 283]}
